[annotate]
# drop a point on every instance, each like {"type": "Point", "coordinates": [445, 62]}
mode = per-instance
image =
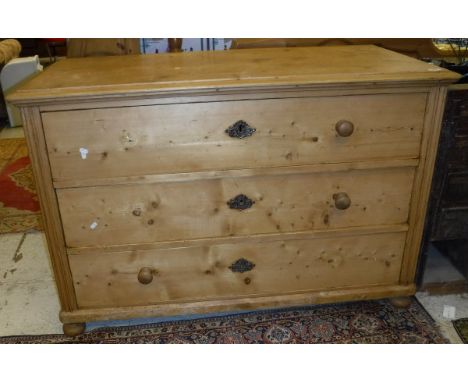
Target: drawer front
{"type": "Point", "coordinates": [144, 213]}
{"type": "Point", "coordinates": [235, 270]}
{"type": "Point", "coordinates": [179, 138]}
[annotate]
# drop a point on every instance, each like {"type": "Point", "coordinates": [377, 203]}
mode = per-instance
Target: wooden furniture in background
{"type": "Point", "coordinates": [175, 45]}
{"type": "Point", "coordinates": [414, 47]}
{"type": "Point", "coordinates": [86, 47]}
{"type": "Point", "coordinates": [54, 46]}
{"type": "Point", "coordinates": [447, 221]}
{"type": "Point", "coordinates": [241, 179]}
{"type": "Point", "coordinates": [38, 46]}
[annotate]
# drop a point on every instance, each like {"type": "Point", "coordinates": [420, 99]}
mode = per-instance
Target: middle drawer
{"type": "Point", "coordinates": [186, 210]}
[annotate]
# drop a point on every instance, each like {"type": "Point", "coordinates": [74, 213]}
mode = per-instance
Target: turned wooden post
{"type": "Point", "coordinates": [401, 302]}
{"type": "Point", "coordinates": [175, 45]}
{"type": "Point", "coordinates": [74, 329]}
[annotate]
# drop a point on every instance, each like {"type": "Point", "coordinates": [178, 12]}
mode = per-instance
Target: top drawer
{"type": "Point", "coordinates": [176, 138]}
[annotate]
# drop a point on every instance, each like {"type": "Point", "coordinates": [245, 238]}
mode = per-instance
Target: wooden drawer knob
{"type": "Point", "coordinates": [342, 200]}
{"type": "Point", "coordinates": [344, 128]}
{"type": "Point", "coordinates": [145, 276]}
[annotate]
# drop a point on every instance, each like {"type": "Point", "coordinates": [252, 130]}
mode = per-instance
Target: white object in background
{"type": "Point", "coordinates": [160, 45]}
{"type": "Point", "coordinates": [13, 73]}
{"type": "Point", "coordinates": [192, 44]}
{"type": "Point", "coordinates": [153, 45]}
{"type": "Point", "coordinates": [222, 43]}
{"type": "Point", "coordinates": [83, 152]}
{"type": "Point", "coordinates": [449, 312]}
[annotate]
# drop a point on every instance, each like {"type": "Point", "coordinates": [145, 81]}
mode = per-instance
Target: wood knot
{"type": "Point", "coordinates": [326, 219]}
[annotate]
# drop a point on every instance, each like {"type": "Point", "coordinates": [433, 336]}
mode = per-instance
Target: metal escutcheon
{"type": "Point", "coordinates": [242, 265]}
{"type": "Point", "coordinates": [240, 129]}
{"type": "Point", "coordinates": [240, 202]}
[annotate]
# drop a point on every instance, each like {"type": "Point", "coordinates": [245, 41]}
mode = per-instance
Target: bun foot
{"type": "Point", "coordinates": [73, 330]}
{"type": "Point", "coordinates": [401, 302]}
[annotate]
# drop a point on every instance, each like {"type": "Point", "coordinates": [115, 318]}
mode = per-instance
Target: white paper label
{"type": "Point", "coordinates": [83, 152]}
{"type": "Point", "coordinates": [449, 312]}
{"type": "Point", "coordinates": [93, 225]}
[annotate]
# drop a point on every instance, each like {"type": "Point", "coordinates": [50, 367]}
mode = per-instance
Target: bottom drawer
{"type": "Point", "coordinates": [235, 270]}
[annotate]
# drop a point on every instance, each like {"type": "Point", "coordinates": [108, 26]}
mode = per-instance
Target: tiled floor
{"type": "Point", "coordinates": [435, 307]}
{"type": "Point", "coordinates": [29, 302]}
{"type": "Point", "coordinates": [28, 297]}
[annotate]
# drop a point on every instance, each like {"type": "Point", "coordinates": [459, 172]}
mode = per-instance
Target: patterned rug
{"type": "Point", "coordinates": [363, 322]}
{"type": "Point", "coordinates": [19, 206]}
{"type": "Point", "coordinates": [461, 326]}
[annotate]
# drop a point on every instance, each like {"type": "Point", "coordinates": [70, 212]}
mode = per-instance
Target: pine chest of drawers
{"type": "Point", "coordinates": [216, 181]}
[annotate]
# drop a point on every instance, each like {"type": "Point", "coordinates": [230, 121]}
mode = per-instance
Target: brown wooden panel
{"type": "Point", "coordinates": [88, 47]}
{"type": "Point", "coordinates": [191, 137]}
{"type": "Point", "coordinates": [203, 273]}
{"type": "Point", "coordinates": [49, 206]}
{"type": "Point", "coordinates": [243, 303]}
{"type": "Point", "coordinates": [422, 183]}
{"type": "Point", "coordinates": [144, 213]}
{"type": "Point", "coordinates": [414, 47]}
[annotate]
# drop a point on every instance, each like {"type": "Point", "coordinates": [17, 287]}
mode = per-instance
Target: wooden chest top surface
{"type": "Point", "coordinates": [264, 68]}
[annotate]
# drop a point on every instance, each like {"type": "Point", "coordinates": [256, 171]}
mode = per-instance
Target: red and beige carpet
{"type": "Point", "coordinates": [366, 322]}
{"type": "Point", "coordinates": [19, 206]}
